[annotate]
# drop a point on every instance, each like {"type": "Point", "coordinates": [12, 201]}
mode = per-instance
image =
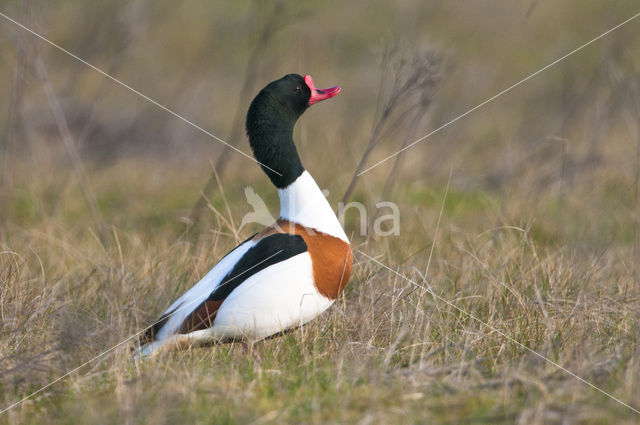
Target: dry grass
{"type": "Point", "coordinates": [387, 352]}
{"type": "Point", "coordinates": [538, 232]}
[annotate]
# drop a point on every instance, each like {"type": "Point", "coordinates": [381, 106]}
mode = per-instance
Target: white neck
{"type": "Point", "coordinates": [304, 203]}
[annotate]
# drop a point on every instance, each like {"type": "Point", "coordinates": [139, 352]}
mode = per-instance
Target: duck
{"type": "Point", "coordinates": [288, 273]}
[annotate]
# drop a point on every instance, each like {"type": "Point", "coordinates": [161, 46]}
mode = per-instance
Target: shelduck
{"type": "Point", "coordinates": [288, 273]}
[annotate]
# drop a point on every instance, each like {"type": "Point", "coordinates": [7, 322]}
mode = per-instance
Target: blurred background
{"type": "Point", "coordinates": [566, 143]}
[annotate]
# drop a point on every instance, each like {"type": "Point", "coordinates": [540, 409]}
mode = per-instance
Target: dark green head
{"type": "Point", "coordinates": [270, 121]}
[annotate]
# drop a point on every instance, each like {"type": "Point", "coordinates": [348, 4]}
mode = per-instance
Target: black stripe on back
{"type": "Point", "coordinates": [269, 251]}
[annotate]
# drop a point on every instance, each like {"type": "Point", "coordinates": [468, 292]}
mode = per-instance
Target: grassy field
{"type": "Point", "coordinates": [518, 224]}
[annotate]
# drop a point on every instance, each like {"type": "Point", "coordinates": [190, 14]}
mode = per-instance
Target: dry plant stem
{"type": "Point", "coordinates": [375, 132]}
{"type": "Point", "coordinates": [636, 236]}
{"type": "Point", "coordinates": [15, 105]}
{"type": "Point", "coordinates": [274, 24]}
{"type": "Point", "coordinates": [413, 126]}
{"type": "Point", "coordinates": [69, 145]}
{"type": "Point", "coordinates": [632, 120]}
{"type": "Point", "coordinates": [104, 88]}
{"type": "Point", "coordinates": [601, 115]}
{"type": "Point", "coordinates": [372, 143]}
{"type": "Point", "coordinates": [635, 93]}
{"type": "Point", "coordinates": [124, 40]}
{"type": "Point", "coordinates": [411, 78]}
{"type": "Point", "coordinates": [230, 223]}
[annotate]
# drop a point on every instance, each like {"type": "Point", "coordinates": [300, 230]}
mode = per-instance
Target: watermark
{"type": "Point", "coordinates": [383, 224]}
{"type": "Point", "coordinates": [383, 220]}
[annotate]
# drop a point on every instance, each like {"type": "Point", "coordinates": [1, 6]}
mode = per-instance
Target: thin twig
{"type": "Point", "coordinates": [69, 144]}
{"type": "Point", "coordinates": [411, 78]}
{"type": "Point", "coordinates": [413, 126]}
{"type": "Point", "coordinates": [124, 39]}
{"type": "Point", "coordinates": [276, 22]}
{"type": "Point", "coordinates": [635, 93]}
{"type": "Point", "coordinates": [15, 106]}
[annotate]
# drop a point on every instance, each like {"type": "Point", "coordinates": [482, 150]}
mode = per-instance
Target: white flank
{"type": "Point", "coordinates": [277, 298]}
{"type": "Point", "coordinates": [304, 203]}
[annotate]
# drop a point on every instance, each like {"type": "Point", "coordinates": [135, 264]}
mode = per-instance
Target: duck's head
{"type": "Point", "coordinates": [286, 99]}
{"type": "Point", "coordinates": [270, 121]}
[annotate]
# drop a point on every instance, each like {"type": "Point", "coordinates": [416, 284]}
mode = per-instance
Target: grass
{"type": "Point", "coordinates": [386, 352]}
{"type": "Point", "coordinates": [538, 237]}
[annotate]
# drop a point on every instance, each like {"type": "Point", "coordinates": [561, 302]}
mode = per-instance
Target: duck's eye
{"type": "Point", "coordinates": [298, 89]}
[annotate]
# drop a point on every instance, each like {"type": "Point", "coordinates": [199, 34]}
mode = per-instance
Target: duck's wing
{"type": "Point", "coordinates": [196, 309]}
{"type": "Point", "coordinates": [190, 299]}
